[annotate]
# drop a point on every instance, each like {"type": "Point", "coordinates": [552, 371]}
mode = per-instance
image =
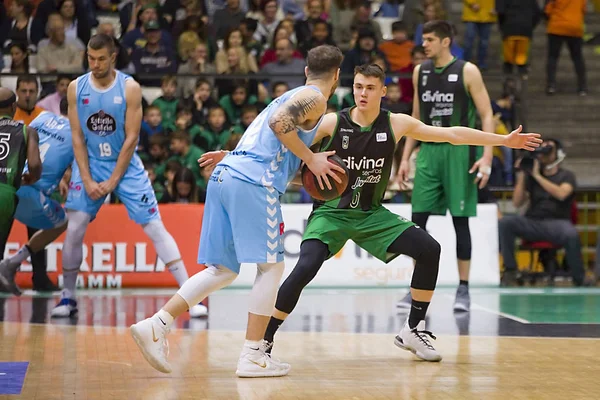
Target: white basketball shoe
{"type": "Point", "coordinates": [416, 340]}
{"type": "Point", "coordinates": [255, 363]}
{"type": "Point", "coordinates": [150, 335]}
{"type": "Point", "coordinates": [66, 307]}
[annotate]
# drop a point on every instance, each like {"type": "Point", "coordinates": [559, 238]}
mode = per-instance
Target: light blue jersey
{"type": "Point", "coordinates": [260, 157]}
{"type": "Point", "coordinates": [101, 114]}
{"type": "Point", "coordinates": [56, 149]}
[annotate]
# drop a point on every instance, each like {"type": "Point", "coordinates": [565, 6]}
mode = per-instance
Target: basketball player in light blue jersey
{"type": "Point", "coordinates": [242, 220]}
{"type": "Point", "coordinates": [36, 209]}
{"type": "Point", "coordinates": [105, 111]}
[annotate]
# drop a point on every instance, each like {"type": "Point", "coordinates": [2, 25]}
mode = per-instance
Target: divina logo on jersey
{"type": "Point", "coordinates": [363, 163]}
{"type": "Point", "coordinates": [101, 124]}
{"type": "Point", "coordinates": [437, 97]}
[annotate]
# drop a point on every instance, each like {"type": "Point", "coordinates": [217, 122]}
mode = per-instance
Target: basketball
{"type": "Point", "coordinates": [311, 184]}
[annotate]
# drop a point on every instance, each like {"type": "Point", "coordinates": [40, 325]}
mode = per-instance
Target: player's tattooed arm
{"type": "Point", "coordinates": [305, 105]}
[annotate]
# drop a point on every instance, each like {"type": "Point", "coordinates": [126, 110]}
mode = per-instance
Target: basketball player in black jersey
{"type": "Point", "coordinates": [448, 92]}
{"type": "Point", "coordinates": [365, 137]}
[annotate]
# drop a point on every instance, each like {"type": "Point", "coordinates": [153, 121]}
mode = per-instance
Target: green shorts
{"type": "Point", "coordinates": [8, 205]}
{"type": "Point", "coordinates": [373, 230]}
{"type": "Point", "coordinates": [442, 180]}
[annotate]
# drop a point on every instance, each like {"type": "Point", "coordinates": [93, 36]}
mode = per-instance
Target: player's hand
{"type": "Point", "coordinates": [402, 177]}
{"type": "Point", "coordinates": [526, 141]}
{"type": "Point", "coordinates": [107, 186]}
{"type": "Point", "coordinates": [94, 190]}
{"type": "Point", "coordinates": [484, 169]}
{"type": "Point", "coordinates": [321, 167]}
{"type": "Point", "coordinates": [63, 189]}
{"type": "Point", "coordinates": [27, 179]}
{"type": "Point", "coordinates": [212, 158]}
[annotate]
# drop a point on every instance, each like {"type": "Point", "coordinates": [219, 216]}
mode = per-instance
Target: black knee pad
{"type": "Point", "coordinates": [463, 238]}
{"type": "Point", "coordinates": [420, 219]}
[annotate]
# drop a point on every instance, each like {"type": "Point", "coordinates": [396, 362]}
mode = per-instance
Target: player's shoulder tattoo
{"type": "Point", "coordinates": [294, 111]}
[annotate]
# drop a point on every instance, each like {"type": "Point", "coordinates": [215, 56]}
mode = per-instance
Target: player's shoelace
{"type": "Point", "coordinates": [422, 335]}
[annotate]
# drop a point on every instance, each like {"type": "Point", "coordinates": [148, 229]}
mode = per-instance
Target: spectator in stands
{"type": "Point", "coordinates": [168, 176]}
{"type": "Point", "coordinates": [19, 64]}
{"type": "Point", "coordinates": [342, 13]}
{"type": "Point", "coordinates": [58, 54]}
{"type": "Point", "coordinates": [278, 89]}
{"type": "Point", "coordinates": [216, 132]}
{"type": "Point", "coordinates": [168, 101]}
{"type": "Point", "coordinates": [154, 57]}
{"type": "Point", "coordinates": [27, 96]}
{"type": "Point", "coordinates": [364, 52]}
{"type": "Point", "coordinates": [249, 114]}
{"type": "Point", "coordinates": [362, 20]}
{"type": "Point", "coordinates": [431, 12]}
{"type": "Point", "coordinates": [392, 100]}
{"type": "Point", "coordinates": [52, 101]}
{"type": "Point", "coordinates": [286, 64]}
{"type": "Point", "coordinates": [197, 64]}
{"type": "Point", "coordinates": [122, 62]}
{"type": "Point", "coordinates": [268, 22]}
{"type": "Point", "coordinates": [234, 103]}
{"type": "Point", "coordinates": [196, 25]}
{"type": "Point", "coordinates": [234, 40]}
{"type": "Point", "coordinates": [479, 17]}
{"type": "Point", "coordinates": [389, 9]}
{"type": "Point", "coordinates": [320, 35]}
{"type": "Point", "coordinates": [228, 18]}
{"type": "Point", "coordinates": [232, 142]}
{"type": "Point", "coordinates": [158, 154]}
{"type": "Point", "coordinates": [201, 102]}
{"type": "Point", "coordinates": [185, 152]}
{"type": "Point", "coordinates": [565, 24]}
{"type": "Point", "coordinates": [304, 28]}
{"type": "Point", "coordinates": [152, 123]}
{"type": "Point", "coordinates": [49, 7]}
{"type": "Point", "coordinates": [137, 37]}
{"type": "Point", "coordinates": [185, 121]}
{"type": "Point", "coordinates": [159, 189]}
{"type": "Point", "coordinates": [19, 27]}
{"type": "Point", "coordinates": [186, 43]}
{"type": "Point", "coordinates": [73, 27]}
{"type": "Point", "coordinates": [550, 191]}
{"type": "Point", "coordinates": [406, 86]}
{"type": "Point", "coordinates": [253, 47]}
{"type": "Point", "coordinates": [185, 189]}
{"type": "Point", "coordinates": [398, 50]}
{"type": "Point", "coordinates": [270, 54]}
{"type": "Point", "coordinates": [517, 19]}
{"type": "Point", "coordinates": [236, 64]}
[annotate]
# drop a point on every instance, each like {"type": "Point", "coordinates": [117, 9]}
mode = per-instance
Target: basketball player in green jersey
{"type": "Point", "coordinates": [365, 137]}
{"type": "Point", "coordinates": [448, 92]}
{"type": "Point", "coordinates": [18, 143]}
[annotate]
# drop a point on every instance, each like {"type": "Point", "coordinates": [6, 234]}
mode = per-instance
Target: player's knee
{"type": "Point", "coordinates": [264, 291]}
{"type": "Point", "coordinates": [76, 226]}
{"type": "Point", "coordinates": [165, 245]}
{"type": "Point", "coordinates": [420, 219]}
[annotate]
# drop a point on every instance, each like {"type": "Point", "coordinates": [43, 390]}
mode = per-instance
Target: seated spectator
{"type": "Point", "coordinates": [167, 103]}
{"type": "Point", "coordinates": [19, 26]}
{"type": "Point", "coordinates": [249, 114]}
{"type": "Point", "coordinates": [278, 89]}
{"type": "Point", "coordinates": [343, 13]}
{"type": "Point", "coordinates": [58, 54]}
{"type": "Point", "coordinates": [185, 121]}
{"type": "Point", "coordinates": [151, 125]}
{"type": "Point", "coordinates": [46, 8]}
{"type": "Point", "coordinates": [159, 189]}
{"type": "Point", "coordinates": [305, 27]}
{"type": "Point", "coordinates": [216, 132]}
{"type": "Point", "coordinates": [177, 15]}
{"type": "Point", "coordinates": [286, 64]}
{"type": "Point", "coordinates": [268, 21]}
{"type": "Point", "coordinates": [431, 12]}
{"type": "Point", "coordinates": [154, 57]}
{"type": "Point", "coordinates": [158, 154]}
{"type": "Point", "coordinates": [227, 18]}
{"type": "Point", "coordinates": [233, 141]}
{"type": "Point", "coordinates": [19, 64]}
{"type": "Point", "coordinates": [406, 84]}
{"type": "Point", "coordinates": [186, 44]}
{"type": "Point", "coordinates": [184, 189]}
{"type": "Point", "coordinates": [364, 52]}
{"type": "Point", "coordinates": [550, 191]}
{"type": "Point", "coordinates": [234, 102]}
{"type": "Point", "coordinates": [201, 101]}
{"type": "Point", "coordinates": [270, 54]}
{"type": "Point", "coordinates": [398, 50]}
{"type": "Point", "coordinates": [236, 64]}
{"type": "Point", "coordinates": [392, 100]}
{"type": "Point", "coordinates": [185, 152]}
{"type": "Point", "coordinates": [253, 46]}
{"type": "Point", "coordinates": [74, 29]}
{"type": "Point", "coordinates": [122, 62]}
{"type": "Point", "coordinates": [234, 40]}
{"type": "Point", "coordinates": [52, 101]}
{"type": "Point", "coordinates": [197, 26]}
{"type": "Point", "coordinates": [167, 177]}
{"type": "Point", "coordinates": [136, 38]}
{"type": "Point", "coordinates": [362, 20]}
{"type": "Point", "coordinates": [320, 35]}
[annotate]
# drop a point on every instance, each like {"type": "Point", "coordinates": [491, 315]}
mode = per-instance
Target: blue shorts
{"type": "Point", "coordinates": [134, 190]}
{"type": "Point", "coordinates": [37, 210]}
{"type": "Point", "coordinates": [242, 223]}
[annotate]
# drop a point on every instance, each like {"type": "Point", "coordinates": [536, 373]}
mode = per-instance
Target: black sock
{"type": "Point", "coordinates": [418, 310]}
{"type": "Point", "coordinates": [274, 324]}
{"type": "Point", "coordinates": [465, 283]}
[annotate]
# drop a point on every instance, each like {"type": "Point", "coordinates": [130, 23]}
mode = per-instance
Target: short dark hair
{"type": "Point", "coordinates": [250, 23]}
{"type": "Point", "coordinates": [370, 70]}
{"type": "Point", "coordinates": [279, 83]}
{"type": "Point", "coordinates": [63, 77]}
{"type": "Point", "coordinates": [399, 26]}
{"type": "Point", "coordinates": [216, 108]}
{"type": "Point", "coordinates": [101, 41]}
{"type": "Point", "coordinates": [324, 59]}
{"type": "Point", "coordinates": [202, 81]}
{"type": "Point", "coordinates": [417, 49]}
{"type": "Point", "coordinates": [181, 135]}
{"type": "Point", "coordinates": [441, 29]}
{"type": "Point", "coordinates": [250, 108]}
{"type": "Point", "coordinates": [168, 79]}
{"type": "Point", "coordinates": [157, 140]}
{"type": "Point", "coordinates": [64, 106]}
{"type": "Point", "coordinates": [26, 79]}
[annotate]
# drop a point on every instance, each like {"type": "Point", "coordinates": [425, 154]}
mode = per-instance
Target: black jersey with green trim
{"type": "Point", "coordinates": [13, 151]}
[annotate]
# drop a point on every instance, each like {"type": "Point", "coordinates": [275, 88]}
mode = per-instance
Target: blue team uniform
{"type": "Point", "coordinates": [102, 118]}
{"type": "Point", "coordinates": [36, 209]}
{"type": "Point", "coordinates": [242, 220]}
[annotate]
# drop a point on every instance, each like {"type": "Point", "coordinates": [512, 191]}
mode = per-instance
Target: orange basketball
{"type": "Point", "coordinates": [311, 184]}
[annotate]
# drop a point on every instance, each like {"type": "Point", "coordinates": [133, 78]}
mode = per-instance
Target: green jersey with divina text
{"type": "Point", "coordinates": [443, 97]}
{"type": "Point", "coordinates": [13, 151]}
{"type": "Point", "coordinates": [368, 152]}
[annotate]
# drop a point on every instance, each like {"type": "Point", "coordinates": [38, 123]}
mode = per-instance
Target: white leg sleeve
{"type": "Point", "coordinates": [205, 282]}
{"type": "Point", "coordinates": [264, 291]}
{"type": "Point", "coordinates": [165, 245]}
{"type": "Point", "coordinates": [72, 251]}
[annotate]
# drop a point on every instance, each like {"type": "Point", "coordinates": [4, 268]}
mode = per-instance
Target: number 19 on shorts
{"type": "Point", "coordinates": [105, 150]}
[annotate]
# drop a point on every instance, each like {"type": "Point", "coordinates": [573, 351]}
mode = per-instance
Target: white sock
{"type": "Point", "coordinates": [164, 317]}
{"type": "Point", "coordinates": [179, 272]}
{"type": "Point", "coordinates": [21, 255]}
{"type": "Point", "coordinates": [251, 345]}
{"type": "Point", "coordinates": [70, 281]}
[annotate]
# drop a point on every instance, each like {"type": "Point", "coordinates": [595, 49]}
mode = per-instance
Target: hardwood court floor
{"type": "Point", "coordinates": [90, 361]}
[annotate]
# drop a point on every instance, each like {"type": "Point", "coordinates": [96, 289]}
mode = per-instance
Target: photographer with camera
{"type": "Point", "coordinates": [550, 191]}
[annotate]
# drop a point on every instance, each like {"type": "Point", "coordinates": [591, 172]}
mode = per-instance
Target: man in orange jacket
{"type": "Point", "coordinates": [565, 24]}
